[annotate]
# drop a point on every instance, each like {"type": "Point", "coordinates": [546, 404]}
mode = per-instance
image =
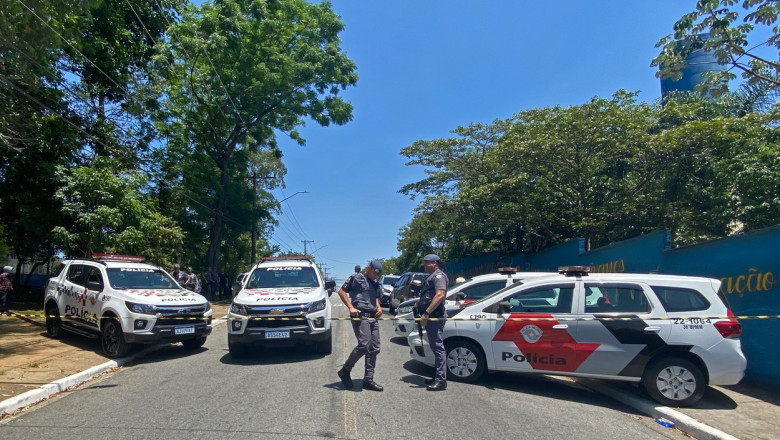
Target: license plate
{"type": "Point", "coordinates": [277, 334]}
{"type": "Point", "coordinates": [184, 330]}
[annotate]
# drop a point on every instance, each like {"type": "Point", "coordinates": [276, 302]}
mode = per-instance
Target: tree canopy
{"type": "Point", "coordinates": [606, 170]}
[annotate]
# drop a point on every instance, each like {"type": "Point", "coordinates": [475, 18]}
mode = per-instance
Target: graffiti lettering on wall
{"type": "Point", "coordinates": [611, 267]}
{"type": "Point", "coordinates": [753, 281]}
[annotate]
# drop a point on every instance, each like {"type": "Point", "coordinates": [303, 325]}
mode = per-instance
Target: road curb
{"type": "Point", "coordinates": [43, 392]}
{"type": "Point", "coordinates": [681, 421]}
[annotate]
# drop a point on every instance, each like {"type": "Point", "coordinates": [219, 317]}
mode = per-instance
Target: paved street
{"type": "Point", "coordinates": [290, 393]}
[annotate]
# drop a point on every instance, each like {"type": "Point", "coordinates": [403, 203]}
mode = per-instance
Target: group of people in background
{"type": "Point", "coordinates": [213, 285]}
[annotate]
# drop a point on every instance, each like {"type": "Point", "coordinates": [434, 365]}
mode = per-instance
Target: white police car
{"type": "Point", "coordinates": [463, 294]}
{"type": "Point", "coordinates": [123, 301]}
{"type": "Point", "coordinates": [674, 334]}
{"type": "Point", "coordinates": [283, 301]}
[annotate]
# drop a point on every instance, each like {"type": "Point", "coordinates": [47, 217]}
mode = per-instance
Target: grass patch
{"type": "Point", "coordinates": [27, 307]}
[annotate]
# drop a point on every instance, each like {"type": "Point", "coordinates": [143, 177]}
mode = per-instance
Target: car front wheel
{"type": "Point", "coordinates": [237, 351]}
{"type": "Point", "coordinates": [674, 382]}
{"type": "Point", "coordinates": [465, 361]}
{"type": "Point", "coordinates": [53, 321]}
{"type": "Point", "coordinates": [113, 340]}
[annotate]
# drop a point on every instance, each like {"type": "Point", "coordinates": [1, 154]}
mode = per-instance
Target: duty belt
{"type": "Point", "coordinates": [362, 314]}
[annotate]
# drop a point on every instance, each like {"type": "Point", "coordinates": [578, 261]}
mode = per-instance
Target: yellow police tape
{"type": "Point", "coordinates": [687, 319]}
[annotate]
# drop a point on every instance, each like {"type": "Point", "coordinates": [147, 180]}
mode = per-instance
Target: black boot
{"type": "Point", "coordinates": [369, 384]}
{"type": "Point", "coordinates": [345, 379]}
{"type": "Point", "coordinates": [429, 381]}
{"type": "Point", "coordinates": [438, 385]}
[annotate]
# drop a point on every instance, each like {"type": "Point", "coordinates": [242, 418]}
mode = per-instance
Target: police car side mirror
{"type": "Point", "coordinates": [95, 285]}
{"type": "Point", "coordinates": [330, 286]}
{"type": "Point", "coordinates": [504, 307]}
{"type": "Point", "coordinates": [417, 283]}
{"type": "Point", "coordinates": [460, 296]}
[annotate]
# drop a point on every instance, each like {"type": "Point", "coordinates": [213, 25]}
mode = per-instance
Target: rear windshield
{"type": "Point", "coordinates": [389, 280]}
{"type": "Point", "coordinates": [140, 278]}
{"type": "Point", "coordinates": [287, 276]}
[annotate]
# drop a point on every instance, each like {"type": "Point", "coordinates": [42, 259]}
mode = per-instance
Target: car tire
{"type": "Point", "coordinates": [326, 346]}
{"type": "Point", "coordinates": [674, 382]}
{"type": "Point", "coordinates": [112, 339]}
{"type": "Point", "coordinates": [465, 361]}
{"type": "Point", "coordinates": [192, 344]}
{"type": "Point", "coordinates": [53, 321]}
{"type": "Point", "coordinates": [237, 351]}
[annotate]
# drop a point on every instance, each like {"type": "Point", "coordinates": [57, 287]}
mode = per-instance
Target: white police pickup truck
{"type": "Point", "coordinates": [282, 302]}
{"type": "Point", "coordinates": [672, 334]}
{"type": "Point", "coordinates": [123, 301]}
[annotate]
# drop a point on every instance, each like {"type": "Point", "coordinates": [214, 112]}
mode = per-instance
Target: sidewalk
{"type": "Point", "coordinates": [35, 366]}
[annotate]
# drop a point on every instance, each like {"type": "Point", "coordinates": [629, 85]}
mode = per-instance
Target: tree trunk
{"type": "Point", "coordinates": [212, 255]}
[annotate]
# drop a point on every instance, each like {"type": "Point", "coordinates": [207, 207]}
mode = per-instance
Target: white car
{"type": "Point", "coordinates": [674, 334]}
{"type": "Point", "coordinates": [464, 293]}
{"type": "Point", "coordinates": [387, 282]}
{"type": "Point", "coordinates": [124, 301]}
{"type": "Point", "coordinates": [283, 301]}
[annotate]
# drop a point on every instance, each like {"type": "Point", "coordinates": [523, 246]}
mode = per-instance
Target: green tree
{"type": "Point", "coordinates": [606, 170]}
{"type": "Point", "coordinates": [107, 211]}
{"type": "Point", "coordinates": [236, 72]}
{"type": "Point", "coordinates": [729, 32]}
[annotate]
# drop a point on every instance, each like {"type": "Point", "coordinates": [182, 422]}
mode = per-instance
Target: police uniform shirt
{"type": "Point", "coordinates": [435, 281]}
{"type": "Point", "coordinates": [362, 291]}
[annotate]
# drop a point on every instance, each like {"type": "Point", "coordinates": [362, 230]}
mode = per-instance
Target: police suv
{"type": "Point", "coordinates": [463, 294]}
{"type": "Point", "coordinates": [283, 301]}
{"type": "Point", "coordinates": [673, 334]}
{"type": "Point", "coordinates": [123, 301]}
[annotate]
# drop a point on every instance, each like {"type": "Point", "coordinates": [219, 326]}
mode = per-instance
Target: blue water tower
{"type": "Point", "coordinates": [698, 62]}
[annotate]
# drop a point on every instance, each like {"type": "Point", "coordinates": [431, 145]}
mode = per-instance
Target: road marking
{"type": "Point", "coordinates": [350, 404]}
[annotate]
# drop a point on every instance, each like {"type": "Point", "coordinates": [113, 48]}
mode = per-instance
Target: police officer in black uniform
{"type": "Point", "coordinates": [431, 305]}
{"type": "Point", "coordinates": [360, 293]}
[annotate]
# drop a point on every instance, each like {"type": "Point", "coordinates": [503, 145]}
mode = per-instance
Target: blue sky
{"type": "Point", "coordinates": [426, 67]}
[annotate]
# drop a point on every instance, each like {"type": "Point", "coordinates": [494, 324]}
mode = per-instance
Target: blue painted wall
{"type": "Point", "coordinates": [746, 264]}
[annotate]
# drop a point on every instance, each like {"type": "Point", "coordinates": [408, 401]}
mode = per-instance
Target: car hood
{"type": "Point", "coordinates": [163, 296]}
{"type": "Point", "coordinates": [280, 294]}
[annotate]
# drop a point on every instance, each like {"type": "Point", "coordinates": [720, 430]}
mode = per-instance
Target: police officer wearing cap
{"type": "Point", "coordinates": [360, 293]}
{"type": "Point", "coordinates": [432, 317]}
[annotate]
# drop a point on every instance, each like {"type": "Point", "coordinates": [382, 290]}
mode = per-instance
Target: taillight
{"type": "Point", "coordinates": [730, 329]}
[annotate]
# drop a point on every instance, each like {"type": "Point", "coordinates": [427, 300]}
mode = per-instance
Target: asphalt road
{"type": "Point", "coordinates": [294, 394]}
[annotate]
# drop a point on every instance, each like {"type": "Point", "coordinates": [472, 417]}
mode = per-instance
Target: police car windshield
{"type": "Point", "coordinates": [140, 278]}
{"type": "Point", "coordinates": [287, 276]}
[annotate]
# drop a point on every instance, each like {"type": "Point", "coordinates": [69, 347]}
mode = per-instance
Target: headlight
{"type": "Point", "coordinates": [208, 306]}
{"type": "Point", "coordinates": [407, 309]}
{"type": "Point", "coordinates": [146, 309]}
{"type": "Point", "coordinates": [317, 306]}
{"type": "Point", "coordinates": [388, 291]}
{"type": "Point", "coordinates": [238, 309]}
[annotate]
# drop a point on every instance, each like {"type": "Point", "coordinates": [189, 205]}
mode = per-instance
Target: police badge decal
{"type": "Point", "coordinates": [531, 333]}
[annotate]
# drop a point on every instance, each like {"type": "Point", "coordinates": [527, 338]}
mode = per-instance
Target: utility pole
{"type": "Point", "coordinates": [304, 245]}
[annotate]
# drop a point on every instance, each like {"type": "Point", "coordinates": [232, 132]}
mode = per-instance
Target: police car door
{"type": "Point", "coordinates": [533, 331]}
{"type": "Point", "coordinates": [74, 292]}
{"type": "Point", "coordinates": [94, 286]}
{"type": "Point", "coordinates": [616, 333]}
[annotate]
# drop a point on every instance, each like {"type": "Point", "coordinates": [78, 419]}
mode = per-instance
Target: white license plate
{"type": "Point", "coordinates": [277, 334]}
{"type": "Point", "coordinates": [184, 330]}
